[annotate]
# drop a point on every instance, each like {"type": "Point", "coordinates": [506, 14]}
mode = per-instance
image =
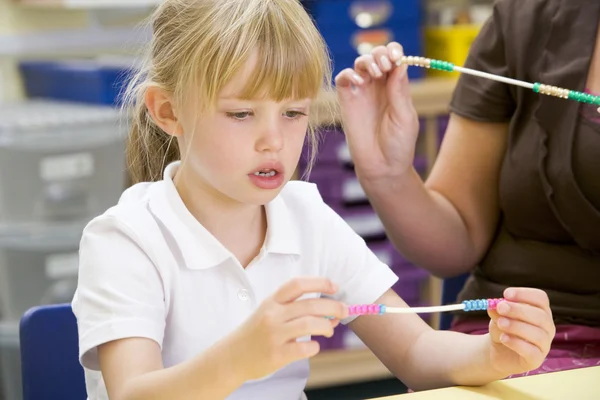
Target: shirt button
{"type": "Point", "coordinates": [243, 295]}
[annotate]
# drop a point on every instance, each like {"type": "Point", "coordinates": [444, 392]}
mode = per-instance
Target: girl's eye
{"type": "Point", "coordinates": [294, 114]}
{"type": "Point", "coordinates": [239, 115]}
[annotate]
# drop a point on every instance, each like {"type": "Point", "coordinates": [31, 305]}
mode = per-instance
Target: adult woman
{"type": "Point", "coordinates": [512, 196]}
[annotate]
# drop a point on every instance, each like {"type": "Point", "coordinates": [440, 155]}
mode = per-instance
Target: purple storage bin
{"type": "Point", "coordinates": [337, 184]}
{"type": "Point", "coordinates": [410, 284]}
{"type": "Point", "coordinates": [389, 255]}
{"type": "Point", "coordinates": [333, 151]}
{"type": "Point", "coordinates": [363, 220]}
{"type": "Point", "coordinates": [442, 126]}
{"type": "Point", "coordinates": [331, 148]}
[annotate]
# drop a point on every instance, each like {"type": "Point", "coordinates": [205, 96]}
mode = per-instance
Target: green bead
{"type": "Point", "coordinates": [573, 95]}
{"type": "Point", "coordinates": [590, 99]}
{"type": "Point", "coordinates": [597, 100]}
{"type": "Point", "coordinates": [536, 87]}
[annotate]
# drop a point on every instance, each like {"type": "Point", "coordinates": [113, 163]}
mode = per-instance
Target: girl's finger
{"type": "Point", "coordinates": [530, 333]}
{"type": "Point", "coordinates": [305, 326]}
{"type": "Point", "coordinates": [531, 353]}
{"type": "Point", "coordinates": [297, 287]}
{"type": "Point", "coordinates": [318, 307]}
{"type": "Point", "coordinates": [493, 314]}
{"type": "Point", "coordinates": [298, 350]}
{"type": "Point", "coordinates": [495, 332]}
{"type": "Point", "coordinates": [526, 313]}
{"type": "Point", "coordinates": [535, 297]}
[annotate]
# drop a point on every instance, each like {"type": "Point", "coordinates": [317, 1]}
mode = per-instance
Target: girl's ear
{"type": "Point", "coordinates": [161, 109]}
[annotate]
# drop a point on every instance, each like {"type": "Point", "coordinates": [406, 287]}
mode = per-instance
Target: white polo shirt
{"type": "Point", "coordinates": [149, 269]}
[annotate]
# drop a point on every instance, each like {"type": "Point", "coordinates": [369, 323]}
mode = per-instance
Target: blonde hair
{"type": "Point", "coordinates": [197, 46]}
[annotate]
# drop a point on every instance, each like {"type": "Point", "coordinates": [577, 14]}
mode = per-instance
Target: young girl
{"type": "Point", "coordinates": [210, 280]}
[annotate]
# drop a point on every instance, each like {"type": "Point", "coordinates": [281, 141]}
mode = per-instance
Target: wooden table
{"type": "Point", "coordinates": [577, 384]}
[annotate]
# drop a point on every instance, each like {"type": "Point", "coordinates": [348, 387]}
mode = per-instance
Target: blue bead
{"type": "Point", "coordinates": [486, 304]}
{"type": "Point", "coordinates": [480, 305]}
{"type": "Point", "coordinates": [467, 305]}
{"type": "Point", "coordinates": [381, 309]}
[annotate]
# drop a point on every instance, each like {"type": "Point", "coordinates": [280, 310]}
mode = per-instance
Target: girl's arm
{"type": "Point", "coordinates": [122, 318]}
{"type": "Point", "coordinates": [267, 341]}
{"type": "Point", "coordinates": [427, 359]}
{"type": "Point", "coordinates": [132, 369]}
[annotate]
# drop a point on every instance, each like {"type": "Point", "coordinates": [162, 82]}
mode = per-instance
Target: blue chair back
{"type": "Point", "coordinates": [451, 287]}
{"type": "Point", "coordinates": [49, 354]}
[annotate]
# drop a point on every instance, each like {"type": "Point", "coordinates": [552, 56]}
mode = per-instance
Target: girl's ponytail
{"type": "Point", "coordinates": [149, 148]}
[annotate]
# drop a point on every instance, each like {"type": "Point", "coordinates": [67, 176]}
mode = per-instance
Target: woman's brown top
{"type": "Point", "coordinates": [549, 233]}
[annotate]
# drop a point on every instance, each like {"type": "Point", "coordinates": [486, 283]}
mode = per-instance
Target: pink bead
{"type": "Point", "coordinates": [493, 303]}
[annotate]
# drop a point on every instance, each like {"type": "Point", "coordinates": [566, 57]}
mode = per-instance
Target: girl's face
{"type": "Point", "coordinates": [244, 150]}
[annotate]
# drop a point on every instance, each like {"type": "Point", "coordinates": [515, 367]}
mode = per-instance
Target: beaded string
{"type": "Point", "coordinates": [467, 305]}
{"type": "Point", "coordinates": [537, 87]}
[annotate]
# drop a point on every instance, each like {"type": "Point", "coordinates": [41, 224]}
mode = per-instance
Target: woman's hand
{"type": "Point", "coordinates": [379, 119]}
{"type": "Point", "coordinates": [268, 339]}
{"type": "Point", "coordinates": [521, 331]}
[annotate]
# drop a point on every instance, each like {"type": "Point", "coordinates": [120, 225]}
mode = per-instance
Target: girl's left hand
{"type": "Point", "coordinates": [521, 331]}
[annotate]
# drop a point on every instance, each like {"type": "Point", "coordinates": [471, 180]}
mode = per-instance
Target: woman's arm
{"type": "Point", "coordinates": [447, 224]}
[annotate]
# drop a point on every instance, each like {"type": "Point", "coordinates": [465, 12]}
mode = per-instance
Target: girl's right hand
{"type": "Point", "coordinates": [268, 338]}
{"type": "Point", "coordinates": [379, 119]}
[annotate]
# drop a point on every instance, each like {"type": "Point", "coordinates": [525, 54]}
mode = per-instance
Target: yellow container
{"type": "Point", "coordinates": [449, 43]}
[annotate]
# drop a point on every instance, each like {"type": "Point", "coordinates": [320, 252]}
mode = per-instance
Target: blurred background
{"type": "Point", "coordinates": [62, 139]}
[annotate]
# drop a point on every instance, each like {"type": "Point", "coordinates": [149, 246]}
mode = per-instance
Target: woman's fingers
{"type": "Point", "coordinates": [396, 52]}
{"type": "Point", "coordinates": [348, 78]}
{"type": "Point", "coordinates": [382, 58]}
{"type": "Point", "coordinates": [365, 65]}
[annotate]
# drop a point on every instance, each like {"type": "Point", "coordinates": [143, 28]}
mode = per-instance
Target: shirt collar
{"type": "Point", "coordinates": [199, 248]}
